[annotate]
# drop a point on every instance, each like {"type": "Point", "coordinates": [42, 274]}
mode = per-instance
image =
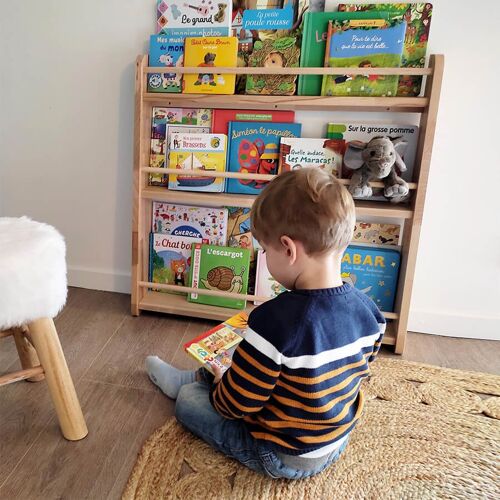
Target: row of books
{"type": "Point", "coordinates": [264, 142]}
{"type": "Point", "coordinates": [213, 248]}
{"type": "Point", "coordinates": [210, 34]}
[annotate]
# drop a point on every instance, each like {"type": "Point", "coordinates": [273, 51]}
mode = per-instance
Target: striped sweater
{"type": "Point", "coordinates": [295, 377]}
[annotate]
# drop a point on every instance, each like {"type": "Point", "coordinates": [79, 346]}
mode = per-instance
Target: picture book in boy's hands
{"type": "Point", "coordinates": [188, 221]}
{"type": "Point", "coordinates": [209, 53]}
{"type": "Point", "coordinates": [276, 53]}
{"type": "Point", "coordinates": [168, 52]}
{"type": "Point", "coordinates": [254, 149]}
{"type": "Point", "coordinates": [222, 117]}
{"type": "Point", "coordinates": [163, 118]}
{"type": "Point", "coordinates": [376, 233]}
{"type": "Point", "coordinates": [374, 271]}
{"type": "Point", "coordinates": [193, 18]}
{"type": "Point", "coordinates": [216, 347]}
{"type": "Point", "coordinates": [266, 285]}
{"type": "Point", "coordinates": [197, 152]}
{"type": "Point", "coordinates": [219, 268]}
{"type": "Point", "coordinates": [310, 152]}
{"type": "Point", "coordinates": [363, 43]}
{"type": "Point", "coordinates": [170, 259]}
{"type": "Point", "coordinates": [418, 17]}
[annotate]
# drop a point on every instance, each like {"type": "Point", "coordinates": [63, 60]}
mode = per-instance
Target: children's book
{"type": "Point", "coordinates": [363, 43]}
{"type": "Point", "coordinates": [312, 52]}
{"type": "Point", "coordinates": [282, 52]}
{"type": "Point", "coordinates": [374, 271]}
{"type": "Point", "coordinates": [307, 152]}
{"type": "Point", "coordinates": [199, 152]}
{"type": "Point", "coordinates": [266, 285]}
{"type": "Point", "coordinates": [170, 259]}
{"type": "Point", "coordinates": [418, 17]}
{"type": "Point", "coordinates": [254, 148]}
{"type": "Point", "coordinates": [189, 221]}
{"type": "Point", "coordinates": [193, 18]}
{"type": "Point", "coordinates": [364, 132]}
{"type": "Point", "coordinates": [376, 233]}
{"type": "Point", "coordinates": [210, 52]}
{"type": "Point", "coordinates": [219, 268]}
{"type": "Point", "coordinates": [222, 117]}
{"type": "Point", "coordinates": [168, 52]}
{"type": "Point", "coordinates": [163, 119]}
{"type": "Point", "coordinates": [216, 347]}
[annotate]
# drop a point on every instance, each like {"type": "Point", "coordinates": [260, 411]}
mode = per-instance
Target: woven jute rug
{"type": "Point", "coordinates": [426, 433]}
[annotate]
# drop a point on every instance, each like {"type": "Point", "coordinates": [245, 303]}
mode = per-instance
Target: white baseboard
{"type": "Point", "coordinates": [98, 279]}
{"type": "Point", "coordinates": [455, 325]}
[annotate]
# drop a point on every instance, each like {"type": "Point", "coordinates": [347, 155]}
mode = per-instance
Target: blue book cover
{"type": "Point", "coordinates": [168, 52]}
{"type": "Point", "coordinates": [367, 43]}
{"type": "Point", "coordinates": [254, 149]}
{"type": "Point", "coordinates": [374, 271]}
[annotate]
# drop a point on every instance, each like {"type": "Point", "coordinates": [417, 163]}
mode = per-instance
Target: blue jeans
{"type": "Point", "coordinates": [231, 437]}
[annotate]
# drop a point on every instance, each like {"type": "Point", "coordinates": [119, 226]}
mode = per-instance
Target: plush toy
{"type": "Point", "coordinates": [377, 160]}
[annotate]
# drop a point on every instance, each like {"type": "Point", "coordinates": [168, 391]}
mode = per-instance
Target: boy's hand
{"type": "Point", "coordinates": [217, 373]}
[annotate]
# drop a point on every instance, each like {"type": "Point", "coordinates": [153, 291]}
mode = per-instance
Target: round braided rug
{"type": "Point", "coordinates": [433, 438]}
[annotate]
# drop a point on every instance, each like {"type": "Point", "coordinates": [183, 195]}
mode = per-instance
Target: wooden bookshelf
{"type": "Point", "coordinates": [143, 295]}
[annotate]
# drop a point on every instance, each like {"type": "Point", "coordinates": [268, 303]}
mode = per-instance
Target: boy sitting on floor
{"type": "Point", "coordinates": [291, 397]}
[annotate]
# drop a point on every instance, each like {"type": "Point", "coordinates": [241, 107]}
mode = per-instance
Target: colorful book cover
{"type": "Point", "coordinates": [189, 221]}
{"type": "Point", "coordinates": [170, 259]}
{"type": "Point", "coordinates": [363, 43]}
{"type": "Point", "coordinates": [282, 52]}
{"type": "Point", "coordinates": [200, 152]}
{"type": "Point", "coordinates": [168, 52]}
{"type": "Point", "coordinates": [374, 271]}
{"type": "Point", "coordinates": [312, 52]}
{"type": "Point", "coordinates": [216, 347]}
{"type": "Point", "coordinates": [219, 268]}
{"type": "Point", "coordinates": [307, 152]}
{"type": "Point", "coordinates": [376, 233]}
{"type": "Point", "coordinates": [254, 148]}
{"type": "Point", "coordinates": [193, 18]}
{"type": "Point", "coordinates": [266, 285]}
{"type": "Point", "coordinates": [364, 132]}
{"type": "Point", "coordinates": [222, 117]}
{"type": "Point", "coordinates": [418, 17]}
{"type": "Point", "coordinates": [162, 119]}
{"type": "Point", "coordinates": [210, 52]}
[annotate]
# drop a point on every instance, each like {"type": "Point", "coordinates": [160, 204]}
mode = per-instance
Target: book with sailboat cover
{"type": "Point", "coordinates": [198, 152]}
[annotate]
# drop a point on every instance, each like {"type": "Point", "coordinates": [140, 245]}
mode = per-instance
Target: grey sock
{"type": "Point", "coordinates": [168, 378]}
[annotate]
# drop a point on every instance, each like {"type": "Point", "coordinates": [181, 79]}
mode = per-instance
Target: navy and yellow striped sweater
{"type": "Point", "coordinates": [295, 377]}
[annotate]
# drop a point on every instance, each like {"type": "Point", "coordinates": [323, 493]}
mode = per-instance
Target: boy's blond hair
{"type": "Point", "coordinates": [308, 205]}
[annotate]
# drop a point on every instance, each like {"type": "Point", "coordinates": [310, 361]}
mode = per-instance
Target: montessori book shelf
{"type": "Point", "coordinates": [145, 299]}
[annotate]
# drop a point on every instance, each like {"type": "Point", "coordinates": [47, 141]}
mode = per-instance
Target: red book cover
{"type": "Point", "coordinates": [222, 117]}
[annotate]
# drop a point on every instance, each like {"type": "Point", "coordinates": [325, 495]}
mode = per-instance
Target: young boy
{"type": "Point", "coordinates": [291, 397]}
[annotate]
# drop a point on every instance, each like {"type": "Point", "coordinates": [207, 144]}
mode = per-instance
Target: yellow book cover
{"type": "Point", "coordinates": [209, 52]}
{"type": "Point", "coordinates": [197, 152]}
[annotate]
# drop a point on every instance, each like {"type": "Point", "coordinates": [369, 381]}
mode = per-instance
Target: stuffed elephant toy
{"type": "Point", "coordinates": [377, 160]}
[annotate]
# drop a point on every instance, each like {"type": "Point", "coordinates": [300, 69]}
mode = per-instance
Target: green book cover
{"type": "Point", "coordinates": [314, 44]}
{"type": "Point", "coordinates": [219, 268]}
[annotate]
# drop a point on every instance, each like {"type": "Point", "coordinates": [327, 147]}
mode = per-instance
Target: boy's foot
{"type": "Point", "coordinates": [168, 378]}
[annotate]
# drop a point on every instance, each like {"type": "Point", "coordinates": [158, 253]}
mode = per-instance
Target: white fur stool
{"type": "Point", "coordinates": [32, 291]}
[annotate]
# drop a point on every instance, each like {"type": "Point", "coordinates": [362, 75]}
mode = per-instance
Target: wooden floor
{"type": "Point", "coordinates": [105, 348]}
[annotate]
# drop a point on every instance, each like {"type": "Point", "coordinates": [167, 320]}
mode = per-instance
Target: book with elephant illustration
{"type": "Point", "coordinates": [218, 268]}
{"type": "Point", "coordinates": [170, 259]}
{"type": "Point", "coordinates": [210, 52]}
{"type": "Point", "coordinates": [168, 52]}
{"type": "Point", "coordinates": [374, 271]}
{"type": "Point", "coordinates": [216, 346]}
{"type": "Point", "coordinates": [254, 149]}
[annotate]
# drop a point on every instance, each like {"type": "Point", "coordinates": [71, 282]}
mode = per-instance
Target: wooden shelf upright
{"type": "Point", "coordinates": [143, 298]}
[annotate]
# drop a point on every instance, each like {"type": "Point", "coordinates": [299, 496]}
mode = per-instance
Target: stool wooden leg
{"type": "Point", "coordinates": [27, 354]}
{"type": "Point", "coordinates": [46, 341]}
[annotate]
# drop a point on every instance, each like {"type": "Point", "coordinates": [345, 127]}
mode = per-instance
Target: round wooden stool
{"type": "Point", "coordinates": [32, 291]}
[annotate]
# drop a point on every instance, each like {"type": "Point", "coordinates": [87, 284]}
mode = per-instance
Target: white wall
{"type": "Point", "coordinates": [66, 130]}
